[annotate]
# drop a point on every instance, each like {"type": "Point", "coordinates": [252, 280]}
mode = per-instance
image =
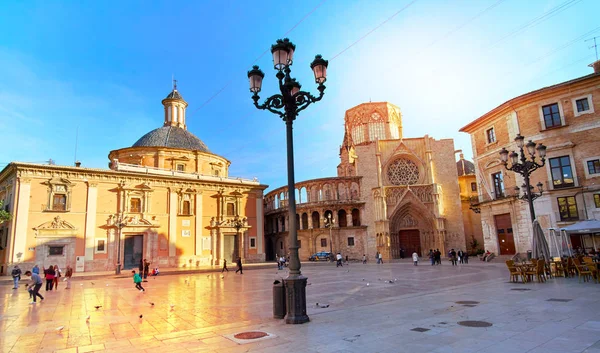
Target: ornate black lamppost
{"type": "Point", "coordinates": [524, 166]}
{"type": "Point", "coordinates": [120, 222]}
{"type": "Point", "coordinates": [238, 224]}
{"type": "Point", "coordinates": [287, 105]}
{"type": "Point", "coordinates": [534, 195]}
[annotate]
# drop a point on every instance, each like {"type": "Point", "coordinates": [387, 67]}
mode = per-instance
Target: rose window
{"type": "Point", "coordinates": [403, 172]}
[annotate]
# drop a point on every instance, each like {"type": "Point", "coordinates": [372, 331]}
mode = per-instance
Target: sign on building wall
{"type": "Point", "coordinates": [186, 233]}
{"type": "Point", "coordinates": [205, 243]}
{"type": "Point", "coordinates": [80, 264]}
{"type": "Point", "coordinates": [185, 223]}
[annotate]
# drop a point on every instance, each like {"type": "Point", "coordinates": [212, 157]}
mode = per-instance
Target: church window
{"type": "Point", "coordinates": [181, 167]}
{"type": "Point", "coordinates": [230, 209]}
{"type": "Point", "coordinates": [350, 241]}
{"type": "Point", "coordinates": [100, 245]}
{"type": "Point", "coordinates": [304, 221]}
{"type": "Point", "coordinates": [358, 134]}
{"type": "Point", "coordinates": [186, 208]}
{"type": "Point", "coordinates": [216, 172]}
{"type": "Point", "coordinates": [315, 220]}
{"type": "Point", "coordinates": [323, 242]}
{"type": "Point", "coordinates": [135, 205]}
{"type": "Point", "coordinates": [59, 202]}
{"type": "Point", "coordinates": [473, 186]}
{"type": "Point", "coordinates": [55, 250]}
{"type": "Point", "coordinates": [376, 131]}
{"type": "Point", "coordinates": [342, 220]}
{"type": "Point", "coordinates": [403, 172]}
{"type": "Point", "coordinates": [252, 242]}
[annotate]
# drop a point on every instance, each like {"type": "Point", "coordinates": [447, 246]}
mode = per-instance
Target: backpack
{"type": "Point", "coordinates": [15, 272]}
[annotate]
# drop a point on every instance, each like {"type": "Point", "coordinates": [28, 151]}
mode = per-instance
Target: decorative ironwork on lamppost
{"type": "Point", "coordinates": [119, 221]}
{"type": "Point", "coordinates": [534, 195]}
{"type": "Point", "coordinates": [287, 105]}
{"type": "Point", "coordinates": [329, 223]}
{"type": "Point", "coordinates": [525, 166]}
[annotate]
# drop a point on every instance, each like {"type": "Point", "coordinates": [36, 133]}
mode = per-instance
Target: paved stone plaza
{"type": "Point", "coordinates": [366, 313]}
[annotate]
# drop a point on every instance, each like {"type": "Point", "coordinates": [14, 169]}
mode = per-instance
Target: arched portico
{"type": "Point", "coordinates": [412, 228]}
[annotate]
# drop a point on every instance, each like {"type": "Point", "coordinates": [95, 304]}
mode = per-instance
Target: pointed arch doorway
{"type": "Point", "coordinates": [411, 226]}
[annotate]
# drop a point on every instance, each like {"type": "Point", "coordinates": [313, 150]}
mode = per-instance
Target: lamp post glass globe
{"type": "Point", "coordinates": [520, 140]}
{"type": "Point", "coordinates": [256, 77]}
{"type": "Point", "coordinates": [319, 67]}
{"type": "Point", "coordinates": [283, 53]}
{"type": "Point", "coordinates": [541, 151]}
{"type": "Point", "coordinates": [504, 155]}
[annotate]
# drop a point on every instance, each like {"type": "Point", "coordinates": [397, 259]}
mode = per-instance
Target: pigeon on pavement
{"type": "Point", "coordinates": [322, 305]}
{"type": "Point", "coordinates": [60, 328]}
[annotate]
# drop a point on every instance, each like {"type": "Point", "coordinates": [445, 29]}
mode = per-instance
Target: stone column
{"type": "Point", "coordinates": [90, 221]}
{"type": "Point", "coordinates": [172, 222]}
{"type": "Point", "coordinates": [349, 218]}
{"type": "Point", "coordinates": [260, 226]}
{"type": "Point", "coordinates": [198, 220]}
{"type": "Point", "coordinates": [22, 218]}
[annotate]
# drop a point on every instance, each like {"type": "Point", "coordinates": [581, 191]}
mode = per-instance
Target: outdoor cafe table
{"type": "Point", "coordinates": [524, 267]}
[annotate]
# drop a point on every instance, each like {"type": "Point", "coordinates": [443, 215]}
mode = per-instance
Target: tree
{"type": "Point", "coordinates": [4, 215]}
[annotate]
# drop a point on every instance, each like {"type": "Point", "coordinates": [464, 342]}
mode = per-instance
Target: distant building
{"type": "Point", "coordinates": [167, 199]}
{"type": "Point", "coordinates": [467, 183]}
{"type": "Point", "coordinates": [564, 117]}
{"type": "Point", "coordinates": [392, 195]}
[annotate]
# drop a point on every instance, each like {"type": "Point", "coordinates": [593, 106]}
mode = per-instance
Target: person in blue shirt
{"type": "Point", "coordinates": [137, 279]}
{"type": "Point", "coordinates": [36, 283]}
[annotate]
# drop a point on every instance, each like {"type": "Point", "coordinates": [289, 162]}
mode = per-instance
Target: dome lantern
{"type": "Point", "coordinates": [175, 107]}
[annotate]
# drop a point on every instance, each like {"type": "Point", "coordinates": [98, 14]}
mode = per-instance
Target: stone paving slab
{"type": "Point", "coordinates": [199, 312]}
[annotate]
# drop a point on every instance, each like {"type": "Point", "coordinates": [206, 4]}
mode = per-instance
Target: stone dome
{"type": "Point", "coordinates": [172, 137]}
{"type": "Point", "coordinates": [464, 167]}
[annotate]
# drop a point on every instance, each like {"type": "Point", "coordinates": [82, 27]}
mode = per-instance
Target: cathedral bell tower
{"type": "Point", "coordinates": [175, 108]}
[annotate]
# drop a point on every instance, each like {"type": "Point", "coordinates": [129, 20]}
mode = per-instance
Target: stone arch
{"type": "Point", "coordinates": [328, 193]}
{"type": "Point", "coordinates": [355, 217]}
{"type": "Point", "coordinates": [411, 226]}
{"type": "Point", "coordinates": [342, 218]}
{"type": "Point", "coordinates": [314, 193]}
{"type": "Point", "coordinates": [316, 220]}
{"type": "Point", "coordinates": [304, 221]}
{"type": "Point", "coordinates": [354, 191]}
{"type": "Point", "coordinates": [342, 192]}
{"type": "Point", "coordinates": [303, 195]}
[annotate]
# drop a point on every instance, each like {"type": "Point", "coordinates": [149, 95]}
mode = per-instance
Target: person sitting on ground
{"type": "Point", "coordinates": [155, 272]}
{"type": "Point", "coordinates": [487, 253]}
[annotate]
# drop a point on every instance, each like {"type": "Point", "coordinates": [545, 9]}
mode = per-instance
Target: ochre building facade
{"type": "Point", "coordinates": [392, 195]}
{"type": "Point", "coordinates": [167, 199]}
{"type": "Point", "coordinates": [564, 117]}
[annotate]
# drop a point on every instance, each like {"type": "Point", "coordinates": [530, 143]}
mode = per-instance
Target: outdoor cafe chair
{"type": "Point", "coordinates": [558, 267]}
{"type": "Point", "coordinates": [592, 267]}
{"type": "Point", "coordinates": [514, 272]}
{"type": "Point", "coordinates": [582, 271]}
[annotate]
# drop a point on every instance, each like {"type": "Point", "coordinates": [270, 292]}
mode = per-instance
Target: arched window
{"type": "Point", "coordinates": [304, 221]}
{"type": "Point", "coordinates": [355, 217]}
{"type": "Point", "coordinates": [315, 220]}
{"type": "Point", "coordinates": [297, 221]}
{"type": "Point", "coordinates": [328, 214]}
{"type": "Point", "coordinates": [135, 205]}
{"type": "Point", "coordinates": [342, 220]}
{"type": "Point", "coordinates": [186, 208]}
{"type": "Point", "coordinates": [282, 219]}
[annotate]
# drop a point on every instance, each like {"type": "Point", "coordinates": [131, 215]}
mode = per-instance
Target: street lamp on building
{"type": "Point", "coordinates": [329, 223]}
{"type": "Point", "coordinates": [120, 222]}
{"type": "Point", "coordinates": [238, 224]}
{"type": "Point", "coordinates": [287, 105]}
{"type": "Point", "coordinates": [521, 164]}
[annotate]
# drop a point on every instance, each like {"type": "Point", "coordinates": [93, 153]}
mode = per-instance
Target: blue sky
{"type": "Point", "coordinates": [103, 67]}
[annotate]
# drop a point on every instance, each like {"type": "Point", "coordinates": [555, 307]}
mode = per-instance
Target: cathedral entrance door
{"type": "Point", "coordinates": [506, 241]}
{"type": "Point", "coordinates": [229, 248]}
{"type": "Point", "coordinates": [132, 251]}
{"type": "Point", "coordinates": [410, 241]}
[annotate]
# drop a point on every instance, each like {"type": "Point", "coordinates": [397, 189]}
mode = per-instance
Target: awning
{"type": "Point", "coordinates": [583, 227]}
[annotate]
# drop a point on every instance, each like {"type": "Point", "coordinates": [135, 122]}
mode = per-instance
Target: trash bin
{"type": "Point", "coordinates": [528, 255]}
{"type": "Point", "coordinates": [278, 300]}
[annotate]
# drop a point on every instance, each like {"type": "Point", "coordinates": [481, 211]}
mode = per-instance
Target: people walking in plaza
{"type": "Point", "coordinates": [338, 257]}
{"type": "Point", "coordinates": [438, 257]}
{"type": "Point", "coordinates": [431, 257]}
{"type": "Point", "coordinates": [224, 266]}
{"type": "Point", "coordinates": [415, 258]}
{"type": "Point", "coordinates": [49, 274]}
{"type": "Point", "coordinates": [146, 269]}
{"type": "Point", "coordinates": [36, 284]}
{"type": "Point", "coordinates": [453, 257]}
{"type": "Point", "coordinates": [137, 279]}
{"type": "Point", "coordinates": [239, 266]}
{"type": "Point", "coordinates": [57, 275]}
{"type": "Point", "coordinates": [460, 256]}
{"type": "Point", "coordinates": [68, 275]}
{"type": "Point", "coordinates": [381, 258]}
{"type": "Point", "coordinates": [364, 259]}
{"type": "Point", "coordinates": [466, 257]}
{"type": "Point", "coordinates": [16, 276]}
{"type": "Point", "coordinates": [377, 257]}
{"type": "Point", "coordinates": [35, 269]}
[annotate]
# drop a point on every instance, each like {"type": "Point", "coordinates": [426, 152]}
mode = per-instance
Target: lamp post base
{"type": "Point", "coordinates": [295, 290]}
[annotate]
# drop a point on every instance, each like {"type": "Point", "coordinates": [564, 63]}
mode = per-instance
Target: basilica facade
{"type": "Point", "coordinates": [167, 199]}
{"type": "Point", "coordinates": [393, 195]}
